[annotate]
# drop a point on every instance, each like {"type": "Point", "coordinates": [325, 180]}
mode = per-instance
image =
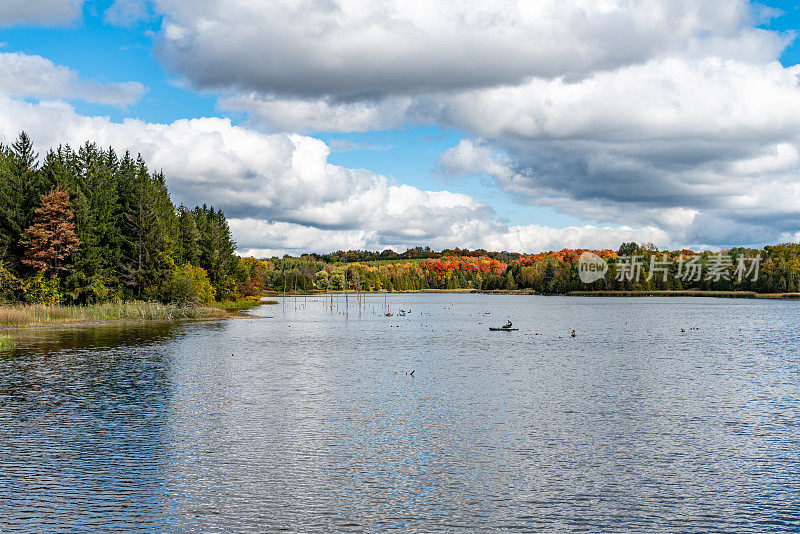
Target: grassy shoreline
{"type": "Point", "coordinates": [26, 315]}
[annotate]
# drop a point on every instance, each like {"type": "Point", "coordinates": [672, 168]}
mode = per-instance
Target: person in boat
{"type": "Point", "coordinates": [507, 325]}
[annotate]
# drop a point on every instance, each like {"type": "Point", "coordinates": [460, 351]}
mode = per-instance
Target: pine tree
{"type": "Point", "coordinates": [97, 213]}
{"type": "Point", "coordinates": [189, 237]}
{"type": "Point", "coordinates": [20, 190]}
{"type": "Point", "coordinates": [7, 233]}
{"type": "Point", "coordinates": [217, 248]}
{"type": "Point", "coordinates": [51, 239]}
{"type": "Point", "coordinates": [136, 223]}
{"type": "Point", "coordinates": [149, 227]}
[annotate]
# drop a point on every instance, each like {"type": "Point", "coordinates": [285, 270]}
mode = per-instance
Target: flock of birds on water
{"type": "Point", "coordinates": [364, 306]}
{"type": "Point", "coordinates": [403, 313]}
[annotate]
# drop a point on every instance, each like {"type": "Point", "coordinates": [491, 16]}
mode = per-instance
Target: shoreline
{"type": "Point", "coordinates": [21, 316]}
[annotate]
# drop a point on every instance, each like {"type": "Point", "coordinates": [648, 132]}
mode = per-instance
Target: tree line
{"type": "Point", "coordinates": [633, 267]}
{"type": "Point", "coordinates": [89, 225]}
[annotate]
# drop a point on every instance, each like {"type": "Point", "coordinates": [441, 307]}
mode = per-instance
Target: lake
{"type": "Point", "coordinates": [310, 421]}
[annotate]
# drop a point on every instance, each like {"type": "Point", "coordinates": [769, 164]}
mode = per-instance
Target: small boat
{"type": "Point", "coordinates": [505, 328]}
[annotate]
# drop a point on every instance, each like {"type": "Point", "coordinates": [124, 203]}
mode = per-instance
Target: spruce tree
{"type": "Point", "coordinates": [149, 237]}
{"type": "Point", "coordinates": [20, 193]}
{"type": "Point", "coordinates": [189, 237]}
{"type": "Point", "coordinates": [217, 248]}
{"type": "Point", "coordinates": [97, 215]}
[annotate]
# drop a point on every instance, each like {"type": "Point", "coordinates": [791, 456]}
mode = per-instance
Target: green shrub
{"type": "Point", "coordinates": [10, 285]}
{"type": "Point", "coordinates": [227, 288]}
{"type": "Point", "coordinates": [39, 289]}
{"type": "Point", "coordinates": [188, 285]}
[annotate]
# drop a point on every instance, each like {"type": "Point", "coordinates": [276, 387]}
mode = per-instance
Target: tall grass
{"type": "Point", "coordinates": [5, 342]}
{"type": "Point", "coordinates": [41, 314]}
{"type": "Point", "coordinates": [243, 304]}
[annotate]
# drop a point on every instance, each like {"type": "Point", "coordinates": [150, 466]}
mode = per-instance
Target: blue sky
{"type": "Point", "coordinates": [543, 180]}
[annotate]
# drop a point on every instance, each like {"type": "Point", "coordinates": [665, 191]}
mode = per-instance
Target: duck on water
{"type": "Point", "coordinates": [505, 328]}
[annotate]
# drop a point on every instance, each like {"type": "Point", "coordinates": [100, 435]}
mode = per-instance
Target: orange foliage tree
{"type": "Point", "coordinates": [51, 239]}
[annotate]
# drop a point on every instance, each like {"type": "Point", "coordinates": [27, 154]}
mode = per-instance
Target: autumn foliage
{"type": "Point", "coordinates": [481, 265]}
{"type": "Point", "coordinates": [51, 238]}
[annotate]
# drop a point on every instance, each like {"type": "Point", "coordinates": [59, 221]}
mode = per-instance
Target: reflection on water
{"type": "Point", "coordinates": [310, 422]}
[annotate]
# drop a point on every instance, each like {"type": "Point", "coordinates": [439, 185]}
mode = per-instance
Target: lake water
{"type": "Point", "coordinates": [309, 421]}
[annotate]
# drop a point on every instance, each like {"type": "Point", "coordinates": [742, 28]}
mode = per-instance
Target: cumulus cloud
{"type": "Point", "coordinates": [324, 114]}
{"type": "Point", "coordinates": [263, 239]}
{"type": "Point", "coordinates": [278, 179]}
{"type": "Point", "coordinates": [33, 76]}
{"type": "Point", "coordinates": [713, 138]}
{"type": "Point", "coordinates": [347, 49]}
{"type": "Point", "coordinates": [662, 114]}
{"type": "Point", "coordinates": [282, 195]}
{"type": "Point", "coordinates": [40, 12]}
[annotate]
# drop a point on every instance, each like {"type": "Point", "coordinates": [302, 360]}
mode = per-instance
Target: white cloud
{"type": "Point", "coordinates": [664, 99]}
{"type": "Point", "coordinates": [276, 178]}
{"type": "Point", "coordinates": [282, 195]}
{"type": "Point", "coordinates": [39, 12]}
{"type": "Point", "coordinates": [538, 238]}
{"type": "Point", "coordinates": [323, 114]}
{"type": "Point", "coordinates": [667, 114]}
{"type": "Point", "coordinates": [356, 48]}
{"type": "Point", "coordinates": [127, 12]}
{"type": "Point", "coordinates": [33, 76]}
{"type": "Point", "coordinates": [261, 238]}
{"type": "Point", "coordinates": [717, 139]}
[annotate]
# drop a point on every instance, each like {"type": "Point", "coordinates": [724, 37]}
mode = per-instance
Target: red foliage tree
{"type": "Point", "coordinates": [51, 239]}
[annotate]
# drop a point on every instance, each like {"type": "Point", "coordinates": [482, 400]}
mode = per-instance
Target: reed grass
{"type": "Point", "coordinates": [5, 342]}
{"type": "Point", "coordinates": [243, 304]}
{"type": "Point", "coordinates": [41, 314]}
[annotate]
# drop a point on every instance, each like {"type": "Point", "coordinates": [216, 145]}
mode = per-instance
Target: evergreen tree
{"type": "Point", "coordinates": [217, 248]}
{"type": "Point", "coordinates": [21, 188]}
{"type": "Point", "coordinates": [97, 215]}
{"type": "Point", "coordinates": [138, 224]}
{"type": "Point", "coordinates": [189, 237]}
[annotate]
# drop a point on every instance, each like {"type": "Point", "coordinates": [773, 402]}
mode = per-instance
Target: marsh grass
{"type": "Point", "coordinates": [5, 342]}
{"type": "Point", "coordinates": [41, 314]}
{"type": "Point", "coordinates": [244, 304]}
